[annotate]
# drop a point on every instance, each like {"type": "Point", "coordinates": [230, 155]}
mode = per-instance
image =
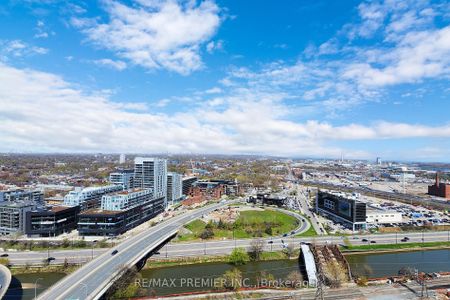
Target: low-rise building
{"type": "Point", "coordinates": [439, 189]}
{"type": "Point", "coordinates": [187, 183]}
{"type": "Point", "coordinates": [381, 216]}
{"type": "Point", "coordinates": [89, 197]}
{"type": "Point", "coordinates": [13, 216]}
{"type": "Point", "coordinates": [51, 221]}
{"type": "Point", "coordinates": [12, 195]}
{"type": "Point", "coordinates": [120, 212]}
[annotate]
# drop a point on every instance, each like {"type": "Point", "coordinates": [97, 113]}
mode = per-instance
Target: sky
{"type": "Point", "coordinates": [291, 78]}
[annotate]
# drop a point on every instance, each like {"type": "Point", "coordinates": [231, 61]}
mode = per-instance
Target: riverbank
{"type": "Point", "coordinates": [400, 247]}
{"type": "Point", "coordinates": [265, 256]}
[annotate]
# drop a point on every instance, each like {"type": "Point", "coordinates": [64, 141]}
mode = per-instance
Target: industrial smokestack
{"type": "Point", "coordinates": [437, 179]}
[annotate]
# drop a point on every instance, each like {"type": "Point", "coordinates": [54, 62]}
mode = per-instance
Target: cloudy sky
{"type": "Point", "coordinates": [292, 78]}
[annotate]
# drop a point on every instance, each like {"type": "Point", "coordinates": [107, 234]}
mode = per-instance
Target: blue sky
{"type": "Point", "coordinates": [290, 78]}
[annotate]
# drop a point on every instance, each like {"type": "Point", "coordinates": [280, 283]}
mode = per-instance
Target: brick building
{"type": "Point", "coordinates": [439, 189]}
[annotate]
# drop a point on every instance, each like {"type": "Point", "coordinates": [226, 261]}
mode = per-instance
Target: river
{"type": "Point", "coordinates": [372, 265]}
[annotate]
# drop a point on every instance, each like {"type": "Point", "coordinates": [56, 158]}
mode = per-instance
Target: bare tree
{"type": "Point", "coordinates": [335, 274]}
{"type": "Point", "coordinates": [256, 248]}
{"type": "Point", "coordinates": [289, 250]}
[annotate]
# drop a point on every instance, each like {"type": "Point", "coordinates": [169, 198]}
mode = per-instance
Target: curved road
{"type": "Point", "coordinates": [91, 280]}
{"type": "Point", "coordinates": [5, 280]}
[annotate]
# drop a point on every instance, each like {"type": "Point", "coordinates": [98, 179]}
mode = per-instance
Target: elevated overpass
{"type": "Point", "coordinates": [5, 280]}
{"type": "Point", "coordinates": [93, 279]}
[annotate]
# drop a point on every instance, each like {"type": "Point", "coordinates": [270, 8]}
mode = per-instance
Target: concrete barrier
{"type": "Point", "coordinates": [5, 280]}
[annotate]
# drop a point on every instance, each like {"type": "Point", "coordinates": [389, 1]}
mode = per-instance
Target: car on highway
{"type": "Point", "coordinates": [406, 238]}
{"type": "Point", "coordinates": [114, 252]}
{"type": "Point", "coordinates": [4, 255]}
{"type": "Point", "coordinates": [364, 240]}
{"type": "Point", "coordinates": [50, 259]}
{"type": "Point", "coordinates": [373, 242]}
{"type": "Point", "coordinates": [293, 232]}
{"type": "Point", "coordinates": [270, 242]}
{"type": "Point", "coordinates": [403, 240]}
{"type": "Point", "coordinates": [285, 235]}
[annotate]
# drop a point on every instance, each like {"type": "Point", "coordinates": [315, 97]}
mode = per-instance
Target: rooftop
{"type": "Point", "coordinates": [96, 211]}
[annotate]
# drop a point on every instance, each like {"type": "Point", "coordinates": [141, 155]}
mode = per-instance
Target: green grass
{"type": "Point", "coordinates": [266, 255]}
{"type": "Point", "coordinates": [250, 224]}
{"type": "Point", "coordinates": [395, 246]}
{"type": "Point", "coordinates": [310, 232]}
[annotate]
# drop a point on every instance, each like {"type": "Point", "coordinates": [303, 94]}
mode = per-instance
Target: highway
{"type": "Point", "coordinates": [93, 279]}
{"type": "Point", "coordinates": [173, 250]}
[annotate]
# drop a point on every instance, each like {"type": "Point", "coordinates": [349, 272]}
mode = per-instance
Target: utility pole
{"type": "Point", "coordinates": [319, 290]}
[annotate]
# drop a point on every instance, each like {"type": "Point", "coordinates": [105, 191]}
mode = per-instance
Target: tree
{"type": "Point", "coordinates": [289, 250]}
{"type": "Point", "coordinates": [232, 279]}
{"type": "Point", "coordinates": [238, 257]}
{"type": "Point", "coordinates": [221, 224]}
{"type": "Point", "coordinates": [256, 248]}
{"type": "Point", "coordinates": [65, 243]}
{"type": "Point", "coordinates": [207, 234]}
{"type": "Point", "coordinates": [66, 264]}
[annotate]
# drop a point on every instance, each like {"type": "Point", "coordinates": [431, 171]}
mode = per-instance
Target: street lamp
{"type": "Point", "coordinates": [93, 244]}
{"type": "Point", "coordinates": [35, 287]}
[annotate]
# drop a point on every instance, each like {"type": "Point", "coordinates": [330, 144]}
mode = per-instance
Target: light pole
{"type": "Point", "coordinates": [35, 287]}
{"type": "Point", "coordinates": [93, 244]}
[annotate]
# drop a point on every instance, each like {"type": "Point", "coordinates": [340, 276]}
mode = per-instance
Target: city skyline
{"type": "Point", "coordinates": [363, 79]}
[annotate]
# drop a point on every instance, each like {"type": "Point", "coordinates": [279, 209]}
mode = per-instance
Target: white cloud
{"type": "Point", "coordinates": [42, 112]}
{"type": "Point", "coordinates": [157, 34]}
{"type": "Point", "coordinates": [419, 55]}
{"type": "Point", "coordinates": [18, 48]}
{"type": "Point", "coordinates": [115, 64]}
{"type": "Point", "coordinates": [214, 46]}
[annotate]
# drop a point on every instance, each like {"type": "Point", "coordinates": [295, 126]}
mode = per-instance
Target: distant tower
{"type": "Point", "coordinates": [437, 179]}
{"type": "Point", "coordinates": [122, 159]}
{"type": "Point", "coordinates": [378, 160]}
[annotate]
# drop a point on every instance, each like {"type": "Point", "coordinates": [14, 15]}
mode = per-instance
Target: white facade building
{"type": "Point", "coordinates": [123, 178]}
{"type": "Point", "coordinates": [78, 196]}
{"type": "Point", "coordinates": [151, 173]}
{"type": "Point", "coordinates": [380, 216]}
{"type": "Point", "coordinates": [122, 159]}
{"type": "Point", "coordinates": [126, 199]}
{"type": "Point", "coordinates": [174, 187]}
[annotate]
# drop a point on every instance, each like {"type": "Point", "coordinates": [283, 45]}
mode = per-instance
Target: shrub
{"type": "Point", "coordinates": [238, 257]}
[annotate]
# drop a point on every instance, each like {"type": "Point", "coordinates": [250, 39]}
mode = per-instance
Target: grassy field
{"type": "Point", "coordinates": [395, 246]}
{"type": "Point", "coordinates": [250, 224]}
